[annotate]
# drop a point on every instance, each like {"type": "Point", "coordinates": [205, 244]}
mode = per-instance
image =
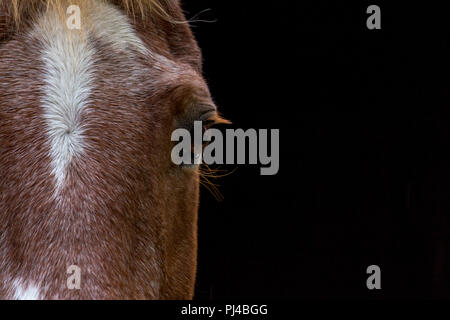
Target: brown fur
{"type": "Point", "coordinates": [127, 216]}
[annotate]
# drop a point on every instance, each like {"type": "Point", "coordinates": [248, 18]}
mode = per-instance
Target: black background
{"type": "Point", "coordinates": [364, 165]}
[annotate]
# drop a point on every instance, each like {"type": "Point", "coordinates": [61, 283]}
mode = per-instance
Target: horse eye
{"type": "Point", "coordinates": [209, 123]}
{"type": "Point", "coordinates": [208, 118]}
{"type": "Point", "coordinates": [211, 119]}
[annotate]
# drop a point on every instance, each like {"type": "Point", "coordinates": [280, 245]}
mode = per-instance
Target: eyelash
{"type": "Point", "coordinates": [207, 123]}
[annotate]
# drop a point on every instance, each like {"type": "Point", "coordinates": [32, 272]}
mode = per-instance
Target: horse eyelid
{"type": "Point", "coordinates": [213, 118]}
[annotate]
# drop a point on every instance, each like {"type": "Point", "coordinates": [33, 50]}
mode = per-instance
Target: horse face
{"type": "Point", "coordinates": [87, 179]}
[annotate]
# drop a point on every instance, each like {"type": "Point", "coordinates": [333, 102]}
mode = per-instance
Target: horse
{"type": "Point", "coordinates": [86, 178]}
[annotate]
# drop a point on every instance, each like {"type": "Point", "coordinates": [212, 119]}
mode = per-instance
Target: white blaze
{"type": "Point", "coordinates": [25, 292]}
{"type": "Point", "coordinates": [68, 58]}
{"type": "Point", "coordinates": [68, 61]}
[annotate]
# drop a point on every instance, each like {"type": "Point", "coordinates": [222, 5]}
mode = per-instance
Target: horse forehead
{"type": "Point", "coordinates": [137, 56]}
{"type": "Point", "coordinates": [101, 21]}
{"type": "Point", "coordinates": [81, 70]}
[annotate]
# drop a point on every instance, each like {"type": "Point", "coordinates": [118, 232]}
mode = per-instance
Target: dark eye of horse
{"type": "Point", "coordinates": [206, 124]}
{"type": "Point", "coordinates": [209, 118]}
{"type": "Point", "coordinates": [208, 121]}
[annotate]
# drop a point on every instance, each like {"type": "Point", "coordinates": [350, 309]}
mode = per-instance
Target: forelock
{"type": "Point", "coordinates": [19, 12]}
